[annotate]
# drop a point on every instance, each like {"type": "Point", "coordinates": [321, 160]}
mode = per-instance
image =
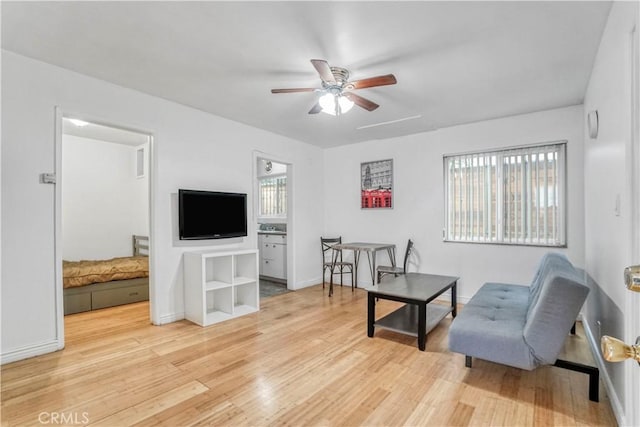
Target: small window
{"type": "Point", "coordinates": [514, 196]}
{"type": "Point", "coordinates": [273, 196]}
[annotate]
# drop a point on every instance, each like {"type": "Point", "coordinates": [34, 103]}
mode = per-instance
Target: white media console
{"type": "Point", "coordinates": [220, 285]}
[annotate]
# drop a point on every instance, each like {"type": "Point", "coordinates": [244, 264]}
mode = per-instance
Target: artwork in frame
{"type": "Point", "coordinates": [376, 184]}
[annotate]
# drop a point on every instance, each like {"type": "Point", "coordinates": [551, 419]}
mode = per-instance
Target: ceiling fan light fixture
{"type": "Point", "coordinates": [335, 104]}
{"type": "Point", "coordinates": [327, 102]}
{"type": "Point", "coordinates": [345, 104]}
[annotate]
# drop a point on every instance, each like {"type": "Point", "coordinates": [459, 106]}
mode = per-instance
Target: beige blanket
{"type": "Point", "coordinates": [80, 273]}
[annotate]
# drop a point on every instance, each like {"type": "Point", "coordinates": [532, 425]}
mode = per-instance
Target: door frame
{"type": "Point", "coordinates": [291, 259]}
{"type": "Point", "coordinates": [61, 113]}
{"type": "Point", "coordinates": [632, 306]}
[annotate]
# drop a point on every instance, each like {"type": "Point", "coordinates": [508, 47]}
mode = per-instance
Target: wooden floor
{"type": "Point", "coordinates": [304, 359]}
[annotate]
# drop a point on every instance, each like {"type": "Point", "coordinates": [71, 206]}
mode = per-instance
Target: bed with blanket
{"type": "Point", "coordinates": [91, 285]}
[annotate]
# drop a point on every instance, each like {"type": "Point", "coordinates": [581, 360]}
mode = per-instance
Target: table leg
{"type": "Point", "coordinates": [371, 314]}
{"type": "Point", "coordinates": [454, 299]}
{"type": "Point", "coordinates": [356, 260]}
{"type": "Point", "coordinates": [422, 326]}
{"type": "Point", "coordinates": [371, 257]}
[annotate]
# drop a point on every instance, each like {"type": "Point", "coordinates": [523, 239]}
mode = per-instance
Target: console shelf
{"type": "Point", "coordinates": [220, 285]}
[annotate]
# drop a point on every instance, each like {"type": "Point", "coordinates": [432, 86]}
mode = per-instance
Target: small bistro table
{"type": "Point", "coordinates": [371, 249]}
{"type": "Point", "coordinates": [417, 317]}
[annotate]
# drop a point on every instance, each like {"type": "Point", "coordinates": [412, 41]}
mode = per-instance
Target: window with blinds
{"type": "Point", "coordinates": [513, 196]}
{"type": "Point", "coordinates": [273, 196]}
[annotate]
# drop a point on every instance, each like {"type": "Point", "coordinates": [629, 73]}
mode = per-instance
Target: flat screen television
{"type": "Point", "coordinates": [211, 215]}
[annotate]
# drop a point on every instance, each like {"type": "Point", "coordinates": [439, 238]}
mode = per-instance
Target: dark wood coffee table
{"type": "Point", "coordinates": [416, 290]}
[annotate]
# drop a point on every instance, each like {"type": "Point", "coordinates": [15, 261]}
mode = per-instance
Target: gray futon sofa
{"type": "Point", "coordinates": [524, 326]}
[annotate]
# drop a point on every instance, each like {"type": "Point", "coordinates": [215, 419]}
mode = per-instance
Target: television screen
{"type": "Point", "coordinates": [211, 215]}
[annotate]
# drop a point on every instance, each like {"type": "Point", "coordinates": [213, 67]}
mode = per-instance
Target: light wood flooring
{"type": "Point", "coordinates": [304, 359]}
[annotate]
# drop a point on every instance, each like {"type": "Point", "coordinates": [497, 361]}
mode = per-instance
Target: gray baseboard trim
{"type": "Point", "coordinates": [617, 407]}
{"type": "Point", "coordinates": [30, 351]}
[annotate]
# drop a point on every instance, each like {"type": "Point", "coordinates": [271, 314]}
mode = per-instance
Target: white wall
{"type": "Point", "coordinates": [607, 158]}
{"type": "Point", "coordinates": [104, 203]}
{"type": "Point", "coordinates": [191, 149]}
{"type": "Point", "coordinates": [608, 176]}
{"type": "Point", "coordinates": [418, 210]}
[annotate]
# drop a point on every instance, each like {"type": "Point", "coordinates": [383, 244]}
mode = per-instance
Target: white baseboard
{"type": "Point", "coordinates": [307, 283]}
{"type": "Point", "coordinates": [618, 410]}
{"type": "Point", "coordinates": [446, 297]}
{"type": "Point", "coordinates": [170, 318]}
{"type": "Point", "coordinates": [29, 351]}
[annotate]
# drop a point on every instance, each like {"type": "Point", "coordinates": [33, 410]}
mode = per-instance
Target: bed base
{"type": "Point", "coordinates": [103, 295]}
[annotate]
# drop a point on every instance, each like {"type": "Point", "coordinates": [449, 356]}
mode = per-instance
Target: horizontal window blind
{"type": "Point", "coordinates": [513, 196]}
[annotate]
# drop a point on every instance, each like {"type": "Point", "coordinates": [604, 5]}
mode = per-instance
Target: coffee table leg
{"type": "Point", "coordinates": [422, 326]}
{"type": "Point", "coordinates": [454, 299]}
{"type": "Point", "coordinates": [371, 314]}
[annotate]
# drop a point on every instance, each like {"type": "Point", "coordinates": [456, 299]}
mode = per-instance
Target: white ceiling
{"type": "Point", "coordinates": [455, 62]}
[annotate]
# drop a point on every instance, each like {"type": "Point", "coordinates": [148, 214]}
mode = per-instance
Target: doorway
{"type": "Point", "coordinates": [273, 212]}
{"type": "Point", "coordinates": [102, 218]}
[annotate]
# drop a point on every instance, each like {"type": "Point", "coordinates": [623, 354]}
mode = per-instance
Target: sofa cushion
{"type": "Point", "coordinates": [550, 318]}
{"type": "Point", "coordinates": [490, 326]}
{"type": "Point", "coordinates": [549, 263]}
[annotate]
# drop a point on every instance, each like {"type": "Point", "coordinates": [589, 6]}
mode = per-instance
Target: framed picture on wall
{"type": "Point", "coordinates": [376, 184]}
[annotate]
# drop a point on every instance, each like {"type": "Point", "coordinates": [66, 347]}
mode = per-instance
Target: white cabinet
{"type": "Point", "coordinates": [220, 285]}
{"type": "Point", "coordinates": [274, 258]}
{"type": "Point", "coordinates": [273, 255]}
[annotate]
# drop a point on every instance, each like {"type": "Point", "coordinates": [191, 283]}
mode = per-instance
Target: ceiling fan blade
{"type": "Point", "coordinates": [293, 90]}
{"type": "Point", "coordinates": [323, 69]}
{"type": "Point", "coordinates": [316, 109]}
{"type": "Point", "coordinates": [388, 79]}
{"type": "Point", "coordinates": [361, 102]}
